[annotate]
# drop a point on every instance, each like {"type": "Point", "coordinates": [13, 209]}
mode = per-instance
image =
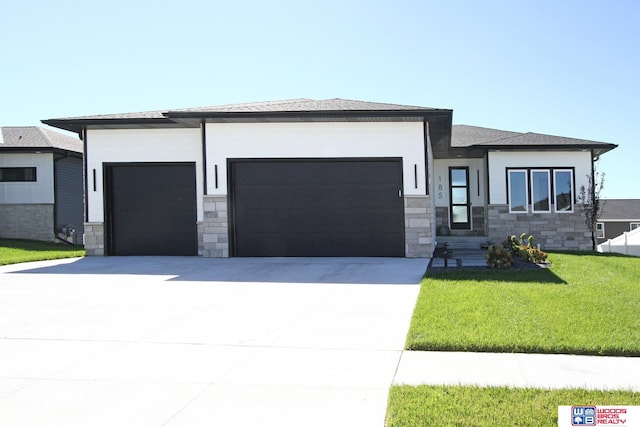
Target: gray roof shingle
{"type": "Point", "coordinates": [621, 209]}
{"type": "Point", "coordinates": [35, 137]}
{"type": "Point", "coordinates": [285, 106]}
{"type": "Point", "coordinates": [467, 136]}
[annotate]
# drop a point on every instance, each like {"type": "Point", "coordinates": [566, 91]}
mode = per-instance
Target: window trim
{"type": "Point", "coordinates": [572, 188]}
{"type": "Point", "coordinates": [631, 225]}
{"type": "Point", "coordinates": [29, 174]}
{"type": "Point", "coordinates": [549, 200]}
{"type": "Point", "coordinates": [600, 232]}
{"type": "Point", "coordinates": [552, 190]}
{"type": "Point", "coordinates": [526, 190]}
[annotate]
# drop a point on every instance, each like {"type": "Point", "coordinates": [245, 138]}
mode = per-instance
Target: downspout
{"type": "Point", "coordinates": [426, 156]}
{"type": "Point", "coordinates": [83, 137]}
{"type": "Point", "coordinates": [204, 157]}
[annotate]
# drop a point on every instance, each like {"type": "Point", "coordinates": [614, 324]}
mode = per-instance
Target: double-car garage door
{"type": "Point", "coordinates": [316, 207]}
{"type": "Point", "coordinates": [289, 208]}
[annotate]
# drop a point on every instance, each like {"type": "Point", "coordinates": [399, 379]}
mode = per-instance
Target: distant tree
{"type": "Point", "coordinates": [590, 203]}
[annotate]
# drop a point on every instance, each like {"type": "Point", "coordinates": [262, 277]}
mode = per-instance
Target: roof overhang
{"type": "Point", "coordinates": [39, 150]}
{"type": "Point", "coordinates": [77, 125]}
{"type": "Point", "coordinates": [190, 119]}
{"type": "Point", "coordinates": [597, 149]}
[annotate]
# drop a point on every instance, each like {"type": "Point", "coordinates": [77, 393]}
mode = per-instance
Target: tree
{"type": "Point", "coordinates": [590, 203]}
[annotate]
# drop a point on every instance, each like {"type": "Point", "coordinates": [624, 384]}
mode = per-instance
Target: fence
{"type": "Point", "coordinates": [627, 243]}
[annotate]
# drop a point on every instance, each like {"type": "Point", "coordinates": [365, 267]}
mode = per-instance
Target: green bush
{"type": "Point", "coordinates": [524, 248]}
{"type": "Point", "coordinates": [498, 257]}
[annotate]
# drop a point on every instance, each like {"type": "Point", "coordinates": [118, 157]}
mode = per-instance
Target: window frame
{"type": "Point", "coordinates": [571, 187]}
{"type": "Point", "coordinates": [532, 189]}
{"type": "Point", "coordinates": [631, 225]}
{"type": "Point", "coordinates": [600, 232]}
{"type": "Point", "coordinates": [526, 189]}
{"type": "Point", "coordinates": [552, 173]}
{"type": "Point", "coordinates": [28, 174]}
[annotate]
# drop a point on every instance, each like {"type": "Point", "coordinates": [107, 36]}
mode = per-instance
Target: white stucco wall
{"type": "Point", "coordinates": [441, 180]}
{"type": "Point", "coordinates": [40, 191]}
{"type": "Point", "coordinates": [139, 145]}
{"type": "Point", "coordinates": [315, 140]}
{"type": "Point", "coordinates": [499, 161]}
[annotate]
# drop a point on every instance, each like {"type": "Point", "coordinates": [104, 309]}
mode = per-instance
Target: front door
{"type": "Point", "coordinates": [459, 207]}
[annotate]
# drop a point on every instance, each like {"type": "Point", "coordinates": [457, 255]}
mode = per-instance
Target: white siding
{"type": "Point", "coordinates": [40, 191]}
{"type": "Point", "coordinates": [499, 161]}
{"type": "Point", "coordinates": [315, 140]}
{"type": "Point", "coordinates": [139, 145]}
{"type": "Point", "coordinates": [441, 180]}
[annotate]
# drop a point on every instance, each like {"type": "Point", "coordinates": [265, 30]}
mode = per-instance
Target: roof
{"type": "Point", "coordinates": [621, 210]}
{"type": "Point", "coordinates": [463, 136]}
{"type": "Point", "coordinates": [301, 109]}
{"type": "Point", "coordinates": [36, 138]}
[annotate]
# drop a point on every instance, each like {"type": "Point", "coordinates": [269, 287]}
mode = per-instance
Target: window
{"type": "Point", "coordinates": [563, 185]}
{"type": "Point", "coordinates": [518, 195]}
{"type": "Point", "coordinates": [17, 174]}
{"type": "Point", "coordinates": [600, 230]}
{"type": "Point", "coordinates": [544, 187]}
{"type": "Point", "coordinates": [634, 225]}
{"type": "Point", "coordinates": [540, 191]}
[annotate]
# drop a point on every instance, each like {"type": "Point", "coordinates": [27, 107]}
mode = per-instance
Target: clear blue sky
{"type": "Point", "coordinates": [569, 67]}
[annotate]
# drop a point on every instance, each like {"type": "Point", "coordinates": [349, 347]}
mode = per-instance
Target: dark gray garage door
{"type": "Point", "coordinates": [151, 209]}
{"type": "Point", "coordinates": [317, 207]}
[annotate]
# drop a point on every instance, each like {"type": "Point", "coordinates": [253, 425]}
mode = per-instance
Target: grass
{"type": "Point", "coordinates": [495, 406]}
{"type": "Point", "coordinates": [583, 304]}
{"type": "Point", "coordinates": [15, 251]}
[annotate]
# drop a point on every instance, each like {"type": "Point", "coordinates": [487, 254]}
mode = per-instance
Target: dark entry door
{"type": "Point", "coordinates": [317, 207]}
{"type": "Point", "coordinates": [151, 209]}
{"type": "Point", "coordinates": [460, 208]}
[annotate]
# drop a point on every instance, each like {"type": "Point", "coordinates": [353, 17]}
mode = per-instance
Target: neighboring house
{"type": "Point", "coordinates": [618, 216]}
{"type": "Point", "coordinates": [321, 178]}
{"type": "Point", "coordinates": [41, 185]}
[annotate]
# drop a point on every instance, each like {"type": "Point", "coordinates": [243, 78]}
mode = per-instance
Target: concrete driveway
{"type": "Point", "coordinates": [156, 341]}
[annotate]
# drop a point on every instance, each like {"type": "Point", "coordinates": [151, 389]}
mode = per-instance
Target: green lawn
{"type": "Point", "coordinates": [583, 304]}
{"type": "Point", "coordinates": [495, 406]}
{"type": "Point", "coordinates": [15, 251]}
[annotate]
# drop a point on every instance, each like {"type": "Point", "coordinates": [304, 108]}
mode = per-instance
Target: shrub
{"type": "Point", "coordinates": [524, 248]}
{"type": "Point", "coordinates": [498, 257]}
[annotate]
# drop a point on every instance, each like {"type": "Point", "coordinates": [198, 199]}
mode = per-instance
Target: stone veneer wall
{"type": "Point", "coordinates": [27, 221]}
{"type": "Point", "coordinates": [442, 216]}
{"type": "Point", "coordinates": [418, 227]}
{"type": "Point", "coordinates": [94, 238]}
{"type": "Point", "coordinates": [550, 230]}
{"type": "Point", "coordinates": [213, 231]}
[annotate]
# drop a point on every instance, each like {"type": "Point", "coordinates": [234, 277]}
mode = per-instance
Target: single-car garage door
{"type": "Point", "coordinates": [151, 209]}
{"type": "Point", "coordinates": [317, 207]}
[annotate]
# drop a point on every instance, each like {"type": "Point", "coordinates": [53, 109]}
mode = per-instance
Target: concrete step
{"type": "Point", "coordinates": [464, 242]}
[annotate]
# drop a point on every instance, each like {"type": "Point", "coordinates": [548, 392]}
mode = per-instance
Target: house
{"type": "Point", "coordinates": [618, 216]}
{"type": "Point", "coordinates": [41, 185]}
{"type": "Point", "coordinates": [328, 177]}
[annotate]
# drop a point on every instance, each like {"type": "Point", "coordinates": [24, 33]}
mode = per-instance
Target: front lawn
{"type": "Point", "coordinates": [494, 406]}
{"type": "Point", "coordinates": [15, 251]}
{"type": "Point", "coordinates": [583, 304]}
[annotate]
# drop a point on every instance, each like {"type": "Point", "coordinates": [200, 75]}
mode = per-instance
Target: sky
{"type": "Point", "coordinates": [568, 68]}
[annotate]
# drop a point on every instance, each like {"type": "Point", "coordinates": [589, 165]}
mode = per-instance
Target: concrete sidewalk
{"type": "Point", "coordinates": [518, 370]}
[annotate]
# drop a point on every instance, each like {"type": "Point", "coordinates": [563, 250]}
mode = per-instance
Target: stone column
{"type": "Point", "coordinates": [213, 231]}
{"type": "Point", "coordinates": [419, 227]}
{"type": "Point", "coordinates": [94, 238]}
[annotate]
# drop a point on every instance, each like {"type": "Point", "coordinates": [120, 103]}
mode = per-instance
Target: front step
{"type": "Point", "coordinates": [463, 242]}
